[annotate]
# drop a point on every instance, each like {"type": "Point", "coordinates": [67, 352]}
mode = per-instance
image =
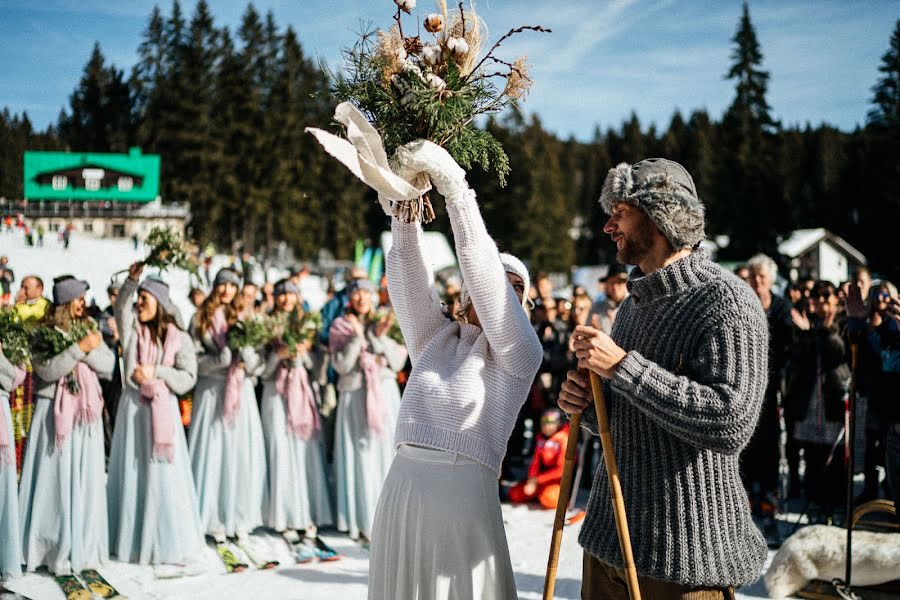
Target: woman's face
{"type": "Point", "coordinates": [79, 307]}
{"type": "Point", "coordinates": [226, 292]}
{"type": "Point", "coordinates": [361, 302]}
{"type": "Point", "coordinates": [518, 285]}
{"type": "Point", "coordinates": [286, 302]}
{"type": "Point", "coordinates": [825, 304]}
{"type": "Point", "coordinates": [582, 310]}
{"type": "Point", "coordinates": [146, 306]}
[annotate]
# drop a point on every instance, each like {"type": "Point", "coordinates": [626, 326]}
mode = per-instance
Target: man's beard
{"type": "Point", "coordinates": [635, 247]}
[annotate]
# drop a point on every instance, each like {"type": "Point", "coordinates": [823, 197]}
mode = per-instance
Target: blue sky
{"type": "Point", "coordinates": [603, 59]}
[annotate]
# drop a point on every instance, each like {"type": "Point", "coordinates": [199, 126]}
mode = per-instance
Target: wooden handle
{"type": "Point", "coordinates": [565, 489]}
{"type": "Point", "coordinates": [612, 472]}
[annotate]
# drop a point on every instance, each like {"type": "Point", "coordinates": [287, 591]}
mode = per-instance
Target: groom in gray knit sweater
{"type": "Point", "coordinates": [685, 373]}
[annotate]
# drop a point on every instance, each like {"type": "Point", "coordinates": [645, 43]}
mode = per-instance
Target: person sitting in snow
{"type": "Point", "coordinates": [545, 472]}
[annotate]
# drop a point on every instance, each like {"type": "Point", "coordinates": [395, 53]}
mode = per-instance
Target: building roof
{"type": "Point", "coordinates": [803, 240]}
{"type": "Point", "coordinates": [74, 168]}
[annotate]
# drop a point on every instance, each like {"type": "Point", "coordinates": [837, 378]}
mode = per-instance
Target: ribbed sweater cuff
{"type": "Point", "coordinates": [630, 373]}
{"type": "Point", "coordinates": [403, 235]}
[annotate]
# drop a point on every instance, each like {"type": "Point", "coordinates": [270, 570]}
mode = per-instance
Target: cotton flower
{"type": "Point", "coordinates": [435, 82]}
{"type": "Point", "coordinates": [458, 45]}
{"type": "Point", "coordinates": [434, 23]}
{"type": "Point", "coordinates": [431, 54]}
{"type": "Point", "coordinates": [406, 5]}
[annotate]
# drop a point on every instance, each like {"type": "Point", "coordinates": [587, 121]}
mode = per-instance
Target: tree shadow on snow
{"type": "Point", "coordinates": [311, 576]}
{"type": "Point", "coordinates": [564, 589]}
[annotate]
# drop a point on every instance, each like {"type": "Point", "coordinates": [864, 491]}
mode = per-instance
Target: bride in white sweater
{"type": "Point", "coordinates": [438, 530]}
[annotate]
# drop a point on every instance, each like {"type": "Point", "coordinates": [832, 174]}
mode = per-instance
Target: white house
{"type": "Point", "coordinates": [819, 254]}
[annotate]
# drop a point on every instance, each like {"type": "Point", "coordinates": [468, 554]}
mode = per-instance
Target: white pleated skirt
{"type": "Point", "coordinates": [10, 541]}
{"type": "Point", "coordinates": [228, 463]}
{"type": "Point", "coordinates": [153, 517]}
{"type": "Point", "coordinates": [298, 491]}
{"type": "Point", "coordinates": [362, 457]}
{"type": "Point", "coordinates": [438, 532]}
{"type": "Point", "coordinates": [62, 496]}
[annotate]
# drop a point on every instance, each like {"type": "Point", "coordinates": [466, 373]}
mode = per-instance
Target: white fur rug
{"type": "Point", "coordinates": [819, 551]}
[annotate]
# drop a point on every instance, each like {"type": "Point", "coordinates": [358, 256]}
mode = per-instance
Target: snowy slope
{"type": "Point", "coordinates": [528, 530]}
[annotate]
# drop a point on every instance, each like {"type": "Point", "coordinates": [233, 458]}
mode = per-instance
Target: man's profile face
{"type": "Point", "coordinates": [632, 231]}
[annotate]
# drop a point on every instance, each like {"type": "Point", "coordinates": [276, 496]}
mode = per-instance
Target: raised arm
{"type": "Point", "coordinates": [411, 286]}
{"type": "Point", "coordinates": [512, 338]}
{"type": "Point", "coordinates": [123, 310]}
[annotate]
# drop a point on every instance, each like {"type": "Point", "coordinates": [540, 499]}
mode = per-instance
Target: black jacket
{"type": "Point", "coordinates": [819, 350]}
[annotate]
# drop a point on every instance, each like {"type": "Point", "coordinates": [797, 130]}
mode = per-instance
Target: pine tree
{"type": "Point", "coordinates": [100, 115]}
{"type": "Point", "coordinates": [886, 98]}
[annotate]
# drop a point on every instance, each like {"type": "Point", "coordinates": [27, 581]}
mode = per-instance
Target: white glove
{"type": "Point", "coordinates": [423, 156]}
{"type": "Point", "coordinates": [250, 357]}
{"type": "Point", "coordinates": [225, 356]}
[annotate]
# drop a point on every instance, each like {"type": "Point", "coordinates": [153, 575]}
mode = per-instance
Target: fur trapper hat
{"type": "Point", "coordinates": [665, 192]}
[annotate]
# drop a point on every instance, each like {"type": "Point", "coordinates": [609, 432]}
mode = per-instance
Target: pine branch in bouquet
{"type": "Point", "coordinates": [47, 342]}
{"type": "Point", "coordinates": [293, 328]}
{"type": "Point", "coordinates": [168, 250]}
{"type": "Point", "coordinates": [14, 337]}
{"type": "Point", "coordinates": [393, 331]}
{"type": "Point", "coordinates": [435, 89]}
{"type": "Point", "coordinates": [249, 333]}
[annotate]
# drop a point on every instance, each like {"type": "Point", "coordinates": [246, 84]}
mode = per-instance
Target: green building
{"type": "Point", "coordinates": [91, 176]}
{"type": "Point", "coordinates": [98, 193]}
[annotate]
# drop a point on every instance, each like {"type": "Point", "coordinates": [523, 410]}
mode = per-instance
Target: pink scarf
{"type": "Point", "coordinates": [156, 391]}
{"type": "Point", "coordinates": [341, 333]}
{"type": "Point", "coordinates": [231, 404]}
{"type": "Point", "coordinates": [7, 455]}
{"type": "Point", "coordinates": [83, 407]}
{"type": "Point", "coordinates": [292, 384]}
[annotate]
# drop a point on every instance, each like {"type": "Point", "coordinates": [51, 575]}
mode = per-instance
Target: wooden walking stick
{"type": "Point", "coordinates": [612, 472]}
{"type": "Point", "coordinates": [565, 489]}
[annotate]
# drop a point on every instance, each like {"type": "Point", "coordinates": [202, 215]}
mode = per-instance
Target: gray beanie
{"type": "Point", "coordinates": [67, 288]}
{"type": "Point", "coordinates": [360, 284]}
{"type": "Point", "coordinates": [285, 286]}
{"type": "Point", "coordinates": [664, 191]}
{"type": "Point", "coordinates": [159, 289]}
{"type": "Point", "coordinates": [227, 275]}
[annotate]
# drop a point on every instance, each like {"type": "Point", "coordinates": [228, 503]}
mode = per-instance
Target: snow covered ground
{"type": "Point", "coordinates": [528, 530]}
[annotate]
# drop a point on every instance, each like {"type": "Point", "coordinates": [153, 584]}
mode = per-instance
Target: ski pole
{"type": "Point", "coordinates": [565, 489]}
{"type": "Point", "coordinates": [612, 472]}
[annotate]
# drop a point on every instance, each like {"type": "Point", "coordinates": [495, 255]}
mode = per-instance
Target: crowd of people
{"type": "Point", "coordinates": [287, 433]}
{"type": "Point", "coordinates": [813, 325]}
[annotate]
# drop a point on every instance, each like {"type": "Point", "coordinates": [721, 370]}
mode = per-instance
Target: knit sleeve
{"type": "Point", "coordinates": [346, 360]}
{"type": "Point", "coordinates": [123, 312]}
{"type": "Point", "coordinates": [210, 361]}
{"type": "Point", "coordinates": [411, 287]}
{"type": "Point", "coordinates": [717, 405]}
{"type": "Point", "coordinates": [511, 337]}
{"type": "Point", "coordinates": [102, 361]}
{"type": "Point", "coordinates": [62, 364]}
{"type": "Point", "coordinates": [182, 375]}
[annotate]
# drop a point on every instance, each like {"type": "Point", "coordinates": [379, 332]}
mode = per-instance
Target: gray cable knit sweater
{"type": "Point", "coordinates": [683, 403]}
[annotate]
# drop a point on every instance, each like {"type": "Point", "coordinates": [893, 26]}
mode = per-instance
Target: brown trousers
{"type": "Point", "coordinates": [603, 582]}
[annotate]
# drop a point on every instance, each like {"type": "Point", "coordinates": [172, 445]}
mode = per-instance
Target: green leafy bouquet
{"type": "Point", "coordinates": [47, 342]}
{"type": "Point", "coordinates": [14, 337]}
{"type": "Point", "coordinates": [293, 328]}
{"type": "Point", "coordinates": [393, 331]}
{"type": "Point", "coordinates": [411, 89]}
{"type": "Point", "coordinates": [168, 249]}
{"type": "Point", "coordinates": [249, 333]}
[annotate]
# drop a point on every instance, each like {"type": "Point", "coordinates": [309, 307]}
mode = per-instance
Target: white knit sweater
{"type": "Point", "coordinates": [467, 383]}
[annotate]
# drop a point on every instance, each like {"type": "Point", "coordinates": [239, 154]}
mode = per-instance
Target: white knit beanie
{"type": "Point", "coordinates": [511, 264]}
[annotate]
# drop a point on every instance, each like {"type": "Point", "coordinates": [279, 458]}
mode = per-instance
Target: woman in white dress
{"type": "Point", "coordinates": [11, 377]}
{"type": "Point", "coordinates": [438, 530]}
{"type": "Point", "coordinates": [298, 491]}
{"type": "Point", "coordinates": [62, 492]}
{"type": "Point", "coordinates": [153, 515]}
{"type": "Point", "coordinates": [367, 362]}
{"type": "Point", "coordinates": [225, 437]}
